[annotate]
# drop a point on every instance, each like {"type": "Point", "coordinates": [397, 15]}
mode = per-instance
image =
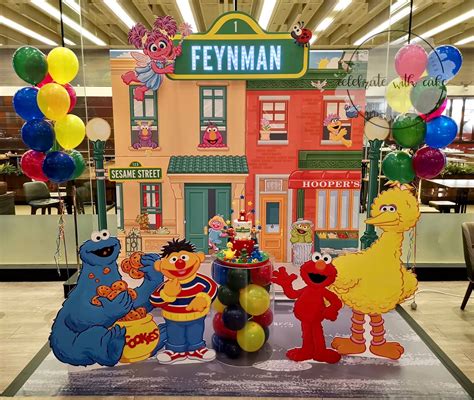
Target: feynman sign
{"type": "Point", "coordinates": [235, 47]}
{"type": "Point", "coordinates": [135, 173]}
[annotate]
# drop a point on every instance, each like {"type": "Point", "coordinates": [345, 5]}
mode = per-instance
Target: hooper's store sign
{"type": "Point", "coordinates": [135, 173]}
{"type": "Point", "coordinates": [317, 184]}
{"type": "Point", "coordinates": [236, 47]}
{"type": "Point", "coordinates": [329, 179]}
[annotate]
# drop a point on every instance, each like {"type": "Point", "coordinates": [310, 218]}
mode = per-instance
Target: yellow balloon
{"type": "Point", "coordinates": [254, 299]}
{"type": "Point", "coordinates": [63, 65]}
{"type": "Point", "coordinates": [70, 131]}
{"type": "Point", "coordinates": [218, 306]}
{"type": "Point", "coordinates": [251, 337]}
{"type": "Point", "coordinates": [398, 95]}
{"type": "Point", "coordinates": [53, 101]}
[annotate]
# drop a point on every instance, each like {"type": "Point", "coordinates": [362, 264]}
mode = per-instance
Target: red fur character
{"type": "Point", "coordinates": [310, 308]}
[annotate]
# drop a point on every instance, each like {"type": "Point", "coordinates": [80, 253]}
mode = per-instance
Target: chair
{"type": "Point", "coordinates": [38, 197]}
{"type": "Point", "coordinates": [468, 244]}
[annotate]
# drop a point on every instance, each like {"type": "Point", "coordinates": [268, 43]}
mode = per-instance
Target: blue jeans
{"type": "Point", "coordinates": [185, 336]}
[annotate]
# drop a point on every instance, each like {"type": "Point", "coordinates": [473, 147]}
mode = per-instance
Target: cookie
{"type": "Point", "coordinates": [132, 316]}
{"type": "Point", "coordinates": [95, 301]}
{"type": "Point", "coordinates": [141, 311]}
{"type": "Point", "coordinates": [125, 265]}
{"type": "Point", "coordinates": [103, 290]}
{"type": "Point", "coordinates": [136, 259]}
{"type": "Point", "coordinates": [136, 274]}
{"type": "Point", "coordinates": [113, 294]}
{"type": "Point", "coordinates": [119, 285]}
{"type": "Point", "coordinates": [132, 293]}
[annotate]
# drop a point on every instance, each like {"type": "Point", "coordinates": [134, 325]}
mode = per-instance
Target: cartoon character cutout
{"type": "Point", "coordinates": [185, 299]}
{"type": "Point", "coordinates": [145, 136]}
{"type": "Point", "coordinates": [352, 111]}
{"type": "Point", "coordinates": [310, 306]}
{"type": "Point", "coordinates": [159, 54]}
{"type": "Point", "coordinates": [301, 231]}
{"type": "Point", "coordinates": [216, 232]}
{"type": "Point", "coordinates": [336, 132]}
{"type": "Point", "coordinates": [212, 137]}
{"type": "Point", "coordinates": [301, 34]}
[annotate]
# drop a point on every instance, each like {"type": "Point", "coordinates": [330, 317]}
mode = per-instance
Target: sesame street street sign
{"type": "Point", "coordinates": [236, 47]}
{"type": "Point", "coordinates": [135, 173]}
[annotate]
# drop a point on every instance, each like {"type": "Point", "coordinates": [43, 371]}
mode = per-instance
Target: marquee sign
{"type": "Point", "coordinates": [236, 47]}
{"type": "Point", "coordinates": [135, 173]}
{"type": "Point", "coordinates": [325, 180]}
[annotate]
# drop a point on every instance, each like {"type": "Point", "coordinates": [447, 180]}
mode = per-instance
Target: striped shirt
{"type": "Point", "coordinates": [176, 310]}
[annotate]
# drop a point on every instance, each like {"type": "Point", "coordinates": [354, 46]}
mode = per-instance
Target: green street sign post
{"type": "Point", "coordinates": [236, 47]}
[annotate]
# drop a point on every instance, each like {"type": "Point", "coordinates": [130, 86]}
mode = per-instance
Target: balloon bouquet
{"type": "Point", "coordinates": [421, 85]}
{"type": "Point", "coordinates": [45, 107]}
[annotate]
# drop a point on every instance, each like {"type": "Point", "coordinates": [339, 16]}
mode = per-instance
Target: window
{"type": "Point", "coordinates": [272, 215]}
{"type": "Point", "coordinates": [144, 121]}
{"type": "Point", "coordinates": [150, 203]}
{"type": "Point", "coordinates": [213, 116]}
{"type": "Point", "coordinates": [119, 204]}
{"type": "Point", "coordinates": [337, 210]}
{"type": "Point", "coordinates": [461, 110]}
{"type": "Point", "coordinates": [337, 125]}
{"type": "Point", "coordinates": [273, 121]}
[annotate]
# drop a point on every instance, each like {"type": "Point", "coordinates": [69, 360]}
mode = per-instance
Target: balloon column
{"type": "Point", "coordinates": [425, 96]}
{"type": "Point", "coordinates": [45, 106]}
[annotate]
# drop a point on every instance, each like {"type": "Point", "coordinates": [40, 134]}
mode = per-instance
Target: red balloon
{"type": "Point", "coordinates": [264, 319]}
{"type": "Point", "coordinates": [32, 165]}
{"type": "Point", "coordinates": [435, 113]}
{"type": "Point", "coordinates": [72, 96]}
{"type": "Point", "coordinates": [47, 79]}
{"type": "Point", "coordinates": [428, 162]}
{"type": "Point", "coordinates": [221, 330]}
{"type": "Point", "coordinates": [262, 275]}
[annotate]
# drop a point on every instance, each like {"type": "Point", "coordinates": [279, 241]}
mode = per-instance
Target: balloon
{"type": "Point", "coordinates": [267, 333]}
{"type": "Point", "coordinates": [427, 95]}
{"type": "Point", "coordinates": [219, 272]}
{"type": "Point", "coordinates": [398, 95]}
{"type": "Point", "coordinates": [63, 65]}
{"type": "Point", "coordinates": [436, 113]}
{"type": "Point", "coordinates": [72, 96]}
{"type": "Point", "coordinates": [254, 299]}
{"type": "Point", "coordinates": [25, 105]}
{"type": "Point", "coordinates": [32, 165]}
{"type": "Point", "coordinates": [252, 337]}
{"type": "Point", "coordinates": [218, 306]}
{"type": "Point", "coordinates": [70, 131]}
{"type": "Point", "coordinates": [409, 130]}
{"type": "Point", "coordinates": [30, 64]}
{"type": "Point", "coordinates": [227, 296]}
{"type": "Point", "coordinates": [263, 275]}
{"type": "Point", "coordinates": [53, 101]}
{"type": "Point", "coordinates": [397, 166]}
{"type": "Point", "coordinates": [47, 79]}
{"type": "Point", "coordinates": [58, 166]}
{"type": "Point", "coordinates": [265, 319]}
{"type": "Point", "coordinates": [218, 343]}
{"type": "Point", "coordinates": [410, 62]}
{"type": "Point", "coordinates": [444, 62]}
{"type": "Point", "coordinates": [234, 318]}
{"type": "Point", "coordinates": [237, 279]}
{"type": "Point", "coordinates": [440, 131]}
{"type": "Point", "coordinates": [79, 164]}
{"type": "Point", "coordinates": [220, 329]}
{"type": "Point", "coordinates": [428, 162]}
{"type": "Point", "coordinates": [232, 349]}
{"type": "Point", "coordinates": [38, 134]}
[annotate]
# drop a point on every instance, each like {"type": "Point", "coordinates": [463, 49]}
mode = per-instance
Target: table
{"type": "Point", "coordinates": [462, 187]}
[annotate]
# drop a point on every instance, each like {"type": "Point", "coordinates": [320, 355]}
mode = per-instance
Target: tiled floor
{"type": "Point", "coordinates": [27, 311]}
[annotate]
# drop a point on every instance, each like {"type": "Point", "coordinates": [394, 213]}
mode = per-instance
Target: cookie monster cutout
{"type": "Point", "coordinates": [84, 333]}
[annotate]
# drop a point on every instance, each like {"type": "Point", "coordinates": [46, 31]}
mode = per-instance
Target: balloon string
{"type": "Point", "coordinates": [410, 21]}
{"type": "Point", "coordinates": [61, 21]}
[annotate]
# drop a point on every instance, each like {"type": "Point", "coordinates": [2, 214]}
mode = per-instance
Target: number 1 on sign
{"type": "Point", "coordinates": [235, 26]}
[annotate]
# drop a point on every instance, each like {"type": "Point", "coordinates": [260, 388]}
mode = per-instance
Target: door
{"type": "Point", "coordinates": [202, 202]}
{"type": "Point", "coordinates": [274, 229]}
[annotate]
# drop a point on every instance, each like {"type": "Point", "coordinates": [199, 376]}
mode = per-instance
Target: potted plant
{"type": "Point", "coordinates": [265, 129]}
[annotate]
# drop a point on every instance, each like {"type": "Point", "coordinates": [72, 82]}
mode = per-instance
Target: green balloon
{"type": "Point", "coordinates": [428, 94]}
{"type": "Point", "coordinates": [227, 296]}
{"type": "Point", "coordinates": [30, 64]}
{"type": "Point", "coordinates": [409, 130]}
{"type": "Point", "coordinates": [79, 164]}
{"type": "Point", "coordinates": [238, 279]}
{"type": "Point", "coordinates": [397, 166]}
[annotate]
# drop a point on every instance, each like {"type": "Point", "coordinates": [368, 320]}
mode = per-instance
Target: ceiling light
{"type": "Point", "coordinates": [384, 25]}
{"type": "Point", "coordinates": [69, 42]}
{"type": "Point", "coordinates": [342, 5]}
{"type": "Point", "coordinates": [266, 13]}
{"type": "Point", "coordinates": [469, 39]}
{"type": "Point", "coordinates": [448, 24]}
{"type": "Point", "coordinates": [396, 6]}
{"type": "Point", "coordinates": [54, 12]}
{"type": "Point", "coordinates": [187, 13]}
{"type": "Point", "coordinates": [118, 10]}
{"type": "Point", "coordinates": [324, 24]}
{"type": "Point", "coordinates": [25, 31]}
{"type": "Point", "coordinates": [73, 5]}
{"type": "Point", "coordinates": [313, 39]}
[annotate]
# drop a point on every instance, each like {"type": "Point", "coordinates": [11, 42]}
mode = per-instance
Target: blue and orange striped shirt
{"type": "Point", "coordinates": [176, 311]}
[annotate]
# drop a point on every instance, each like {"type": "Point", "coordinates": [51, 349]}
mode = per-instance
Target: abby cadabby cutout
{"type": "Point", "coordinates": [159, 53]}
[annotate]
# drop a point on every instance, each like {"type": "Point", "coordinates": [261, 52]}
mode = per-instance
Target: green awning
{"type": "Point", "coordinates": [208, 165]}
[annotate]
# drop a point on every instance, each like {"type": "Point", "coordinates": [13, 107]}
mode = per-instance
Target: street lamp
{"type": "Point", "coordinates": [376, 130]}
{"type": "Point", "coordinates": [98, 131]}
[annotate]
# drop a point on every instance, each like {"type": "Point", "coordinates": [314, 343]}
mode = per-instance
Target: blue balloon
{"type": "Point", "coordinates": [25, 105]}
{"type": "Point", "coordinates": [444, 62]}
{"type": "Point", "coordinates": [440, 132]}
{"type": "Point", "coordinates": [58, 166]}
{"type": "Point", "coordinates": [38, 134]}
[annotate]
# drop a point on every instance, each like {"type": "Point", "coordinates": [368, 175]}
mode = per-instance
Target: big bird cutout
{"type": "Point", "coordinates": [373, 281]}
